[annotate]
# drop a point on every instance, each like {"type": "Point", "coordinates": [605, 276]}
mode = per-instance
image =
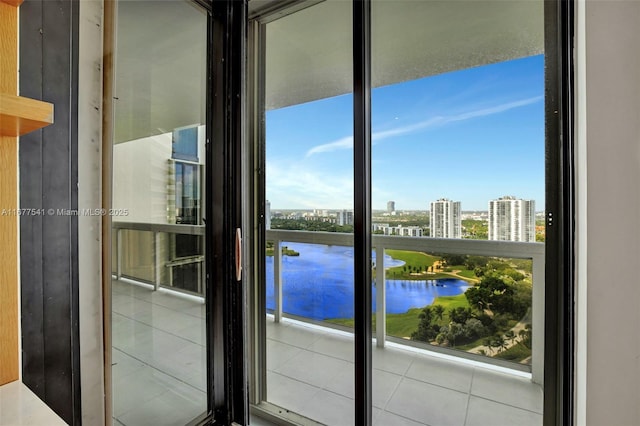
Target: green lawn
{"type": "Point", "coordinates": [413, 261]}
{"type": "Point", "coordinates": [467, 273]}
{"type": "Point", "coordinates": [515, 353]}
{"type": "Point", "coordinates": [402, 325]}
{"type": "Point", "coordinates": [286, 251]}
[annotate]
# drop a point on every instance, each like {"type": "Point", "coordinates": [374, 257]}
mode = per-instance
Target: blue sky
{"type": "Point", "coordinates": [470, 136]}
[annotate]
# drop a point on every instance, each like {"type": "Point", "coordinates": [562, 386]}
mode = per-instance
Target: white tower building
{"type": "Point", "coordinates": [445, 219]}
{"type": "Point", "coordinates": [512, 219]}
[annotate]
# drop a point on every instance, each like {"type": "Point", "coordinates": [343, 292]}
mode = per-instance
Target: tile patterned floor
{"type": "Point", "coordinates": [158, 373]}
{"type": "Point", "coordinates": [310, 371]}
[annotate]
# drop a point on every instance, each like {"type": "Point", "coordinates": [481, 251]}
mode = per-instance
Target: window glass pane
{"type": "Point", "coordinates": [309, 187]}
{"type": "Point", "coordinates": [458, 159]}
{"type": "Point", "coordinates": [158, 312]}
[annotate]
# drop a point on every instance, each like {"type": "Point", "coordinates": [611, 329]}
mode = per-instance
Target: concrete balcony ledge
{"type": "Point", "coordinates": [19, 406]}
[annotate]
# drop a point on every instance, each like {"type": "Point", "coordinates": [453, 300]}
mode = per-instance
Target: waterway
{"type": "Point", "coordinates": [318, 284]}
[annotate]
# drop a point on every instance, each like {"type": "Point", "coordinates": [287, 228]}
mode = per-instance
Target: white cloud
{"type": "Point", "coordinates": [347, 142]}
{"type": "Point", "coordinates": [344, 143]}
{"type": "Point", "coordinates": [295, 186]}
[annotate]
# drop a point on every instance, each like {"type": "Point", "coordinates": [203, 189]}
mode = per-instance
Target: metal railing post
{"type": "Point", "coordinates": [381, 298]}
{"type": "Point", "coordinates": [156, 254]}
{"type": "Point", "coordinates": [277, 279]}
{"type": "Point", "coordinates": [119, 253]}
{"type": "Point", "coordinates": [537, 320]}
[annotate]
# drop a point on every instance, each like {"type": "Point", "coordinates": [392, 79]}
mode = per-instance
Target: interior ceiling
{"type": "Point", "coordinates": [161, 52]}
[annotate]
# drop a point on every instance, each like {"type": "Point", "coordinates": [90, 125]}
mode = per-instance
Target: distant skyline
{"type": "Point", "coordinates": [471, 136]}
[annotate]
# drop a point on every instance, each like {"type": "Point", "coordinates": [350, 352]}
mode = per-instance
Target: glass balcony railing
{"type": "Point", "coordinates": [475, 320]}
{"type": "Point", "coordinates": [163, 255]}
{"type": "Point", "coordinates": [475, 299]}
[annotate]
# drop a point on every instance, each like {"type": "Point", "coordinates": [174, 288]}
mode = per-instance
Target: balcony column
{"type": "Point", "coordinates": [277, 279]}
{"type": "Point", "coordinates": [381, 298]}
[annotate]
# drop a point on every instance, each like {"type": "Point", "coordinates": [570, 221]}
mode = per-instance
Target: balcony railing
{"type": "Point", "coordinates": [502, 249]}
{"type": "Point", "coordinates": [160, 261]}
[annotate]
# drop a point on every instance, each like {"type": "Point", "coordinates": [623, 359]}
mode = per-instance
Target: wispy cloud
{"type": "Point", "coordinates": [304, 187]}
{"type": "Point", "coordinates": [344, 143]}
{"type": "Point", "coordinates": [347, 142]}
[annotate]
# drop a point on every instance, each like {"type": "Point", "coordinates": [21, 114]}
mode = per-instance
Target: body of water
{"type": "Point", "coordinates": [318, 284]}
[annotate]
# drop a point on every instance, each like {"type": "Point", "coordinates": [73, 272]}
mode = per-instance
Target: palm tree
{"type": "Point", "coordinates": [498, 342]}
{"type": "Point", "coordinates": [488, 343]}
{"type": "Point", "coordinates": [438, 311]}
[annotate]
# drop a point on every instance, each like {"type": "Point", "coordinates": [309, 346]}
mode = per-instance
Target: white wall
{"type": "Point", "coordinates": [608, 153]}
{"type": "Point", "coordinates": [140, 178]}
{"type": "Point", "coordinates": [90, 197]}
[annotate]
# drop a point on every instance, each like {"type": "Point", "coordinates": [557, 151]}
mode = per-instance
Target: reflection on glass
{"type": "Point", "coordinates": [158, 314]}
{"type": "Point", "coordinates": [309, 185]}
{"type": "Point", "coordinates": [458, 156]}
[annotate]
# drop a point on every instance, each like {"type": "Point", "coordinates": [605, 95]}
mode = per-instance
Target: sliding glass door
{"type": "Point", "coordinates": [158, 290]}
{"type": "Point", "coordinates": [461, 187]}
{"type": "Point", "coordinates": [458, 178]}
{"type": "Point", "coordinates": [308, 256]}
{"type": "Point", "coordinates": [176, 286]}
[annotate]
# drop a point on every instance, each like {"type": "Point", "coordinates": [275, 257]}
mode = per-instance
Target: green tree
{"type": "Point", "coordinates": [438, 311]}
{"type": "Point", "coordinates": [425, 331]}
{"type": "Point", "coordinates": [459, 315]}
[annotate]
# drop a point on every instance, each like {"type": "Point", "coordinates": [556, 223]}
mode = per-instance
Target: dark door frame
{"type": "Point", "coordinates": [226, 301]}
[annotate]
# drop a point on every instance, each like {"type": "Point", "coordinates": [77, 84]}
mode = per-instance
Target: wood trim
{"type": "Point", "coordinates": [14, 3]}
{"type": "Point", "coordinates": [8, 252]}
{"type": "Point", "coordinates": [19, 115]}
{"type": "Point", "coordinates": [9, 344]}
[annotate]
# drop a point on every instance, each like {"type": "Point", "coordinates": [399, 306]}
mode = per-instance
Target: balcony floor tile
{"type": "Point", "coordinates": [483, 412]}
{"type": "Point", "coordinates": [443, 373]}
{"type": "Point", "coordinates": [505, 389]}
{"type": "Point", "coordinates": [428, 404]}
{"type": "Point", "coordinates": [159, 357]}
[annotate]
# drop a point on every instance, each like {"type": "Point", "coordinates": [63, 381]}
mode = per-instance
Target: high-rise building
{"type": "Point", "coordinates": [512, 219]}
{"type": "Point", "coordinates": [344, 217]}
{"type": "Point", "coordinates": [445, 219]}
{"type": "Point", "coordinates": [391, 206]}
{"type": "Point", "coordinates": [267, 214]}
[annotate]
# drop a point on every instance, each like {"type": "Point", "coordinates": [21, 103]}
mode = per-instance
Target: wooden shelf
{"type": "Point", "coordinates": [19, 115]}
{"type": "Point", "coordinates": [14, 3]}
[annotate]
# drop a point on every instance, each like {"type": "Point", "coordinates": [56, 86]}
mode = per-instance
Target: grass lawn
{"type": "Point", "coordinates": [402, 325]}
{"type": "Point", "coordinates": [517, 353]}
{"type": "Point", "coordinates": [413, 261]}
{"type": "Point", "coordinates": [286, 251]}
{"type": "Point", "coordinates": [468, 274]}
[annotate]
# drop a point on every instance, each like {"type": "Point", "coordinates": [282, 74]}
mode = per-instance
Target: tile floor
{"type": "Point", "coordinates": [158, 366]}
{"type": "Point", "coordinates": [310, 371]}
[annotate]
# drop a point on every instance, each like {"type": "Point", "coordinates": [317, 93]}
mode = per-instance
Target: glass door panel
{"type": "Point", "coordinates": [458, 134]}
{"type": "Point", "coordinates": [309, 214]}
{"type": "Point", "coordinates": [158, 293]}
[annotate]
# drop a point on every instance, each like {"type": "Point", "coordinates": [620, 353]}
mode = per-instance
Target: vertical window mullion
{"type": "Point", "coordinates": [362, 208]}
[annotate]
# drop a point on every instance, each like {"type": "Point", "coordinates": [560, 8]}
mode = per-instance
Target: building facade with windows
{"type": "Point", "coordinates": [512, 219]}
{"type": "Point", "coordinates": [391, 206]}
{"type": "Point", "coordinates": [445, 219]}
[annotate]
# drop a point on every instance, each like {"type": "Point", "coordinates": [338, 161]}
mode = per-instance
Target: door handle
{"type": "Point", "coordinates": [238, 254]}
